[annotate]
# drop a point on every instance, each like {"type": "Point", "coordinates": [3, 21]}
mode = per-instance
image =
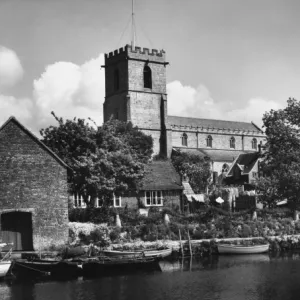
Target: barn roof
{"type": "Point", "coordinates": [212, 123]}
{"type": "Point", "coordinates": [12, 119]}
{"type": "Point", "coordinates": [160, 175]}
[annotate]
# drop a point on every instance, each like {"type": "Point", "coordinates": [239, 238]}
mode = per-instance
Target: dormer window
{"type": "Point", "coordinates": [232, 142]}
{"type": "Point", "coordinates": [254, 144]}
{"type": "Point", "coordinates": [209, 141]}
{"type": "Point", "coordinates": [184, 140]}
{"type": "Point", "coordinates": [116, 80]}
{"type": "Point", "coordinates": [147, 77]}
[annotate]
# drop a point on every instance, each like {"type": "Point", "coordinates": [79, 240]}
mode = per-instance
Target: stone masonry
{"type": "Point", "coordinates": [33, 179]}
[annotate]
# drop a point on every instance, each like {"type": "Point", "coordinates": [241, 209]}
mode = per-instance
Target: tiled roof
{"type": "Point", "coordinates": [211, 123]}
{"type": "Point", "coordinates": [161, 175]}
{"type": "Point", "coordinates": [214, 154]}
{"type": "Point", "coordinates": [246, 161]}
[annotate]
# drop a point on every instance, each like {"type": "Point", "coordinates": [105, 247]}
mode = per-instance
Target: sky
{"type": "Point", "coordinates": [229, 59]}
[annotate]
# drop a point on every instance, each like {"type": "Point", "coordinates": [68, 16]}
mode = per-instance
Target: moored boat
{"type": "Point", "coordinates": [242, 249]}
{"type": "Point", "coordinates": [154, 253]}
{"type": "Point", "coordinates": [4, 268]}
{"type": "Point", "coordinates": [40, 267]}
{"type": "Point", "coordinates": [102, 266]}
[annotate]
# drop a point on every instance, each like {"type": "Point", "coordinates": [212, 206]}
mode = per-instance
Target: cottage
{"type": "Point", "coordinates": [160, 187]}
{"type": "Point", "coordinates": [33, 190]}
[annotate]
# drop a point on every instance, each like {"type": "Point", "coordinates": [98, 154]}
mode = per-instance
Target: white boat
{"type": "Point", "coordinates": [131, 254]}
{"type": "Point", "coordinates": [4, 267]}
{"type": "Point", "coordinates": [242, 249]}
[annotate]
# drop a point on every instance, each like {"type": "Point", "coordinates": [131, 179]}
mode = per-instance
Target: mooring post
{"type": "Point", "coordinates": [181, 243]}
{"type": "Point", "coordinates": [190, 245]}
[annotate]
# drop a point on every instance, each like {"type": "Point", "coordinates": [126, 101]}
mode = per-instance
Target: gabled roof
{"type": "Point", "coordinates": [160, 175]}
{"type": "Point", "coordinates": [12, 119]}
{"type": "Point", "coordinates": [211, 123]}
{"type": "Point", "coordinates": [219, 155]}
{"type": "Point", "coordinates": [245, 162]}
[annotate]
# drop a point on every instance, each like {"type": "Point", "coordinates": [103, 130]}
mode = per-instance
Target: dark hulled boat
{"type": "Point", "coordinates": [102, 266]}
{"type": "Point", "coordinates": [52, 268]}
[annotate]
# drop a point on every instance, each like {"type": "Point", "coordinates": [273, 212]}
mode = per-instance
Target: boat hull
{"type": "Point", "coordinates": [104, 267]}
{"type": "Point", "coordinates": [4, 268]}
{"type": "Point", "coordinates": [240, 249]}
{"type": "Point", "coordinates": [37, 268]}
{"type": "Point", "coordinates": [140, 253]}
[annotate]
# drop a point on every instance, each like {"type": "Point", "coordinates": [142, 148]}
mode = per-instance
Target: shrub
{"type": "Point", "coordinates": [115, 234]}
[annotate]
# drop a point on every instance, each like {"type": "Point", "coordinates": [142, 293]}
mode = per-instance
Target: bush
{"type": "Point", "coordinates": [115, 234]}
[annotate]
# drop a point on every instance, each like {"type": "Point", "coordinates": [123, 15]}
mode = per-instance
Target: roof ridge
{"type": "Point", "coordinates": [32, 135]}
{"type": "Point", "coordinates": [214, 120]}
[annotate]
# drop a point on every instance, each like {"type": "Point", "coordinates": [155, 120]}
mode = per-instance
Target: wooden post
{"type": "Point", "coordinates": [181, 243]}
{"type": "Point", "coordinates": [190, 245]}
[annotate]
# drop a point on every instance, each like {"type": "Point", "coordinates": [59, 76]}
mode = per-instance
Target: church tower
{"type": "Point", "coordinates": [135, 91]}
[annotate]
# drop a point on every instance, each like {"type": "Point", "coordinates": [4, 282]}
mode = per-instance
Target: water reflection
{"type": "Point", "coordinates": [247, 277]}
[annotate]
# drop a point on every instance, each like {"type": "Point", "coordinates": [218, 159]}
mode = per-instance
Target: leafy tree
{"type": "Point", "coordinates": [281, 160]}
{"type": "Point", "coordinates": [104, 160]}
{"type": "Point", "coordinates": [196, 168]}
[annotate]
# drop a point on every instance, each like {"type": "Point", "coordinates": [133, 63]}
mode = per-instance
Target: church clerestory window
{"type": "Point", "coordinates": [209, 141]}
{"type": "Point", "coordinates": [184, 140]}
{"type": "Point", "coordinates": [116, 80]}
{"type": "Point", "coordinates": [147, 77]}
{"type": "Point", "coordinates": [254, 144]}
{"type": "Point", "coordinates": [232, 142]}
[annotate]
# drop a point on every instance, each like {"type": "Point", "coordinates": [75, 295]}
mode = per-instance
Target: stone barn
{"type": "Point", "coordinates": [33, 191]}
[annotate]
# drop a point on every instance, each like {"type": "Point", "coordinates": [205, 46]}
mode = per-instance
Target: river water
{"type": "Point", "coordinates": [247, 277]}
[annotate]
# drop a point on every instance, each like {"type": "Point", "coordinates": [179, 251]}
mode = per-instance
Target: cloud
{"type": "Point", "coordinates": [197, 102]}
{"type": "Point", "coordinates": [70, 91]}
{"type": "Point", "coordinates": [11, 70]}
{"type": "Point", "coordinates": [11, 106]}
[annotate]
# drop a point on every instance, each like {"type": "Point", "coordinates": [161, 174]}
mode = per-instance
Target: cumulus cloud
{"type": "Point", "coordinates": [70, 91]}
{"type": "Point", "coordinates": [11, 70]}
{"type": "Point", "coordinates": [198, 103]}
{"type": "Point", "coordinates": [11, 106]}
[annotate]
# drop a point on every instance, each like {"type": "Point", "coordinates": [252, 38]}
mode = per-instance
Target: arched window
{"type": "Point", "coordinates": [147, 77]}
{"type": "Point", "coordinates": [184, 141]}
{"type": "Point", "coordinates": [232, 142]}
{"type": "Point", "coordinates": [254, 144]}
{"type": "Point", "coordinates": [116, 80]}
{"type": "Point", "coordinates": [209, 141]}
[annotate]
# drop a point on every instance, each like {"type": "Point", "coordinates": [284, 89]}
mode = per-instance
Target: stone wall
{"type": "Point", "coordinates": [33, 180]}
{"type": "Point", "coordinates": [220, 140]}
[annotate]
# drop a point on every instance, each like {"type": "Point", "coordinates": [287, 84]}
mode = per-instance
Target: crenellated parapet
{"type": "Point", "coordinates": [138, 53]}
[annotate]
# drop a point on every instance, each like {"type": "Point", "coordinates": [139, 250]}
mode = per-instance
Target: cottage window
{"type": "Point", "coordinates": [225, 168]}
{"type": "Point", "coordinates": [78, 201]}
{"type": "Point", "coordinates": [153, 198]}
{"type": "Point", "coordinates": [117, 201]}
{"type": "Point", "coordinates": [254, 144]}
{"type": "Point", "coordinates": [184, 141]}
{"type": "Point", "coordinates": [209, 141]}
{"type": "Point", "coordinates": [232, 142]}
{"type": "Point", "coordinates": [147, 77]}
{"type": "Point", "coordinates": [116, 80]}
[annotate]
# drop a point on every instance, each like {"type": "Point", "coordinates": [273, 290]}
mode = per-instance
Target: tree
{"type": "Point", "coordinates": [104, 160]}
{"type": "Point", "coordinates": [196, 168]}
{"type": "Point", "coordinates": [281, 160]}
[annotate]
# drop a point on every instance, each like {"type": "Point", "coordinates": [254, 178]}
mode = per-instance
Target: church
{"type": "Point", "coordinates": [135, 90]}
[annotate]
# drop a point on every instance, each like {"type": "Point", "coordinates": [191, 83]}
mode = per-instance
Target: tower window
{"type": "Point", "coordinates": [209, 141]}
{"type": "Point", "coordinates": [254, 144]}
{"type": "Point", "coordinates": [147, 77]}
{"type": "Point", "coordinates": [184, 141]}
{"type": "Point", "coordinates": [232, 142]}
{"type": "Point", "coordinates": [116, 80]}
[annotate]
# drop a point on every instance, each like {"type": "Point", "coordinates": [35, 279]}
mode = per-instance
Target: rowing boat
{"type": "Point", "coordinates": [242, 249]}
{"type": "Point", "coordinates": [151, 253]}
